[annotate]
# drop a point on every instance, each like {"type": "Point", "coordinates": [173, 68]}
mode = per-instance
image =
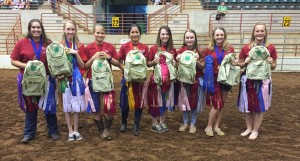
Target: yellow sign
{"type": "Point", "coordinates": [115, 22]}
{"type": "Point", "coordinates": [286, 21]}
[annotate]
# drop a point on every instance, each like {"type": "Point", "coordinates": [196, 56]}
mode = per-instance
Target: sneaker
{"type": "Point", "coordinates": [157, 128]}
{"type": "Point", "coordinates": [253, 135]}
{"type": "Point", "coordinates": [71, 137]}
{"type": "Point", "coordinates": [54, 137]}
{"type": "Point", "coordinates": [219, 131]}
{"type": "Point", "coordinates": [182, 128]}
{"type": "Point", "coordinates": [26, 139]}
{"type": "Point", "coordinates": [192, 130]}
{"type": "Point", "coordinates": [77, 136]}
{"type": "Point", "coordinates": [245, 133]}
{"type": "Point", "coordinates": [209, 132]}
{"type": "Point", "coordinates": [123, 127]}
{"type": "Point", "coordinates": [164, 127]}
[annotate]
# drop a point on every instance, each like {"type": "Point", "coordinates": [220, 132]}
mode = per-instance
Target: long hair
{"type": "Point", "coordinates": [170, 41]}
{"type": "Point", "coordinates": [75, 38]}
{"type": "Point", "coordinates": [212, 43]}
{"type": "Point", "coordinates": [252, 42]}
{"type": "Point", "coordinates": [29, 35]}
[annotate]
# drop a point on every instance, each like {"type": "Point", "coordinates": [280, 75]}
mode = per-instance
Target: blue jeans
{"type": "Point", "coordinates": [137, 114]}
{"type": "Point", "coordinates": [31, 124]}
{"type": "Point", "coordinates": [193, 117]}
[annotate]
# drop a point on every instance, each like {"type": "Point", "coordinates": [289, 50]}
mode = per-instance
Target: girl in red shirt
{"type": "Point", "coordinates": [101, 49]}
{"type": "Point", "coordinates": [134, 32]}
{"type": "Point", "coordinates": [217, 48]}
{"type": "Point", "coordinates": [33, 46]}
{"type": "Point", "coordinates": [73, 96]}
{"type": "Point", "coordinates": [164, 42]}
{"type": "Point", "coordinates": [194, 97]}
{"type": "Point", "coordinates": [253, 107]}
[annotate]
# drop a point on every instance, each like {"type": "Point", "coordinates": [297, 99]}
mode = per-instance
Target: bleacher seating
{"type": "Point", "coordinates": [254, 4]}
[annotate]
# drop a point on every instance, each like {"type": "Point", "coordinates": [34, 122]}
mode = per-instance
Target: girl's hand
{"type": "Point", "coordinates": [74, 52]}
{"type": "Point", "coordinates": [248, 60]}
{"type": "Point", "coordinates": [270, 60]}
{"type": "Point", "coordinates": [156, 60]}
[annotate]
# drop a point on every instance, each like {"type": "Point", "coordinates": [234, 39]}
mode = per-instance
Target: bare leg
{"type": "Point", "coordinates": [258, 117]}
{"type": "Point", "coordinates": [76, 120]}
{"type": "Point", "coordinates": [218, 118]}
{"type": "Point", "coordinates": [249, 121]}
{"type": "Point", "coordinates": [154, 121]}
{"type": "Point", "coordinates": [211, 118]}
{"type": "Point", "coordinates": [162, 119]}
{"type": "Point", "coordinates": [68, 120]}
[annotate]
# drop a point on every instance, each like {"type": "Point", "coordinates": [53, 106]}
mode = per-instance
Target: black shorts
{"type": "Point", "coordinates": [226, 87]}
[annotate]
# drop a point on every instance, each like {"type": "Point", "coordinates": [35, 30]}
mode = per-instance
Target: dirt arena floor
{"type": "Point", "coordinates": [279, 136]}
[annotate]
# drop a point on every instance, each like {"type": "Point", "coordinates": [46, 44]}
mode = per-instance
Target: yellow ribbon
{"type": "Point", "coordinates": [131, 102]}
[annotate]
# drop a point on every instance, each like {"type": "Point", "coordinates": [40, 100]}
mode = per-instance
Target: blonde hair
{"type": "Point", "coordinates": [212, 43]}
{"type": "Point", "coordinates": [75, 38]}
{"type": "Point", "coordinates": [252, 42]}
{"type": "Point", "coordinates": [100, 26]}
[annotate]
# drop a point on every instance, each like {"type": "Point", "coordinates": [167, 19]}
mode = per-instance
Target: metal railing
{"type": "Point", "coordinates": [68, 11]}
{"type": "Point", "coordinates": [240, 22]}
{"type": "Point", "coordinates": [10, 24]}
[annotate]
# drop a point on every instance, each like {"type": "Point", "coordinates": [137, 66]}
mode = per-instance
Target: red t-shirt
{"type": "Point", "coordinates": [24, 52]}
{"type": "Point", "coordinates": [199, 72]}
{"type": "Point", "coordinates": [244, 53]}
{"type": "Point", "coordinates": [125, 48]}
{"type": "Point", "coordinates": [214, 55]}
{"type": "Point", "coordinates": [106, 47]}
{"type": "Point", "coordinates": [153, 50]}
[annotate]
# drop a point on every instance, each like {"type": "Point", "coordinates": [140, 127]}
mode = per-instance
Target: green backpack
{"type": "Point", "coordinates": [102, 78]}
{"type": "Point", "coordinates": [57, 60]}
{"type": "Point", "coordinates": [34, 79]}
{"type": "Point", "coordinates": [228, 73]}
{"type": "Point", "coordinates": [187, 67]}
{"type": "Point", "coordinates": [258, 68]}
{"type": "Point", "coordinates": [135, 69]}
{"type": "Point", "coordinates": [171, 68]}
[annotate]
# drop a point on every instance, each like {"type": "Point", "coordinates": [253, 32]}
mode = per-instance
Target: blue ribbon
{"type": "Point", "coordinates": [51, 99]}
{"type": "Point", "coordinates": [123, 95]}
{"type": "Point", "coordinates": [39, 50]}
{"type": "Point", "coordinates": [76, 75]}
{"type": "Point", "coordinates": [219, 56]}
{"type": "Point", "coordinates": [260, 97]}
{"type": "Point", "coordinates": [208, 82]}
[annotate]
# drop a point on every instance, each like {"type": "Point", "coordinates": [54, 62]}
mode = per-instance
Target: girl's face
{"type": "Point", "coordinates": [164, 36]}
{"type": "Point", "coordinates": [99, 34]}
{"type": "Point", "coordinates": [189, 39]}
{"type": "Point", "coordinates": [219, 37]}
{"type": "Point", "coordinates": [36, 30]}
{"type": "Point", "coordinates": [259, 33]}
{"type": "Point", "coordinates": [135, 35]}
{"type": "Point", "coordinates": [69, 31]}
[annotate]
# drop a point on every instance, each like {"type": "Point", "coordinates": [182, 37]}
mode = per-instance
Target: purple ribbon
{"type": "Point", "coordinates": [21, 101]}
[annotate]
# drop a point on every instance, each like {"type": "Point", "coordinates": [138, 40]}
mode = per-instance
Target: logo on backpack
{"type": "Point", "coordinates": [34, 79]}
{"type": "Point", "coordinates": [57, 60]}
{"type": "Point", "coordinates": [135, 69]}
{"type": "Point", "coordinates": [187, 67]}
{"type": "Point", "coordinates": [102, 78]}
{"type": "Point", "coordinates": [258, 68]}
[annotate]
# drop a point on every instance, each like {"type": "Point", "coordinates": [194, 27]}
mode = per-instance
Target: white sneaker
{"type": "Point", "coordinates": [77, 136]}
{"type": "Point", "coordinates": [71, 137]}
{"type": "Point", "coordinates": [253, 135]}
{"type": "Point", "coordinates": [245, 133]}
